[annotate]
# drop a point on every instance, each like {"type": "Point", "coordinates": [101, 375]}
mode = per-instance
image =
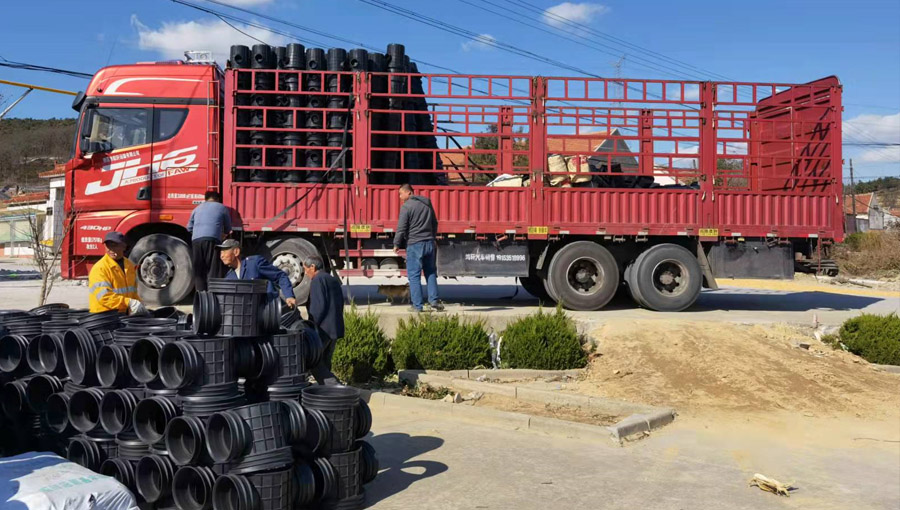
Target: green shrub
{"type": "Point", "coordinates": [364, 353]}
{"type": "Point", "coordinates": [545, 341]}
{"type": "Point", "coordinates": [856, 240]}
{"type": "Point", "coordinates": [441, 343]}
{"type": "Point", "coordinates": [876, 338]}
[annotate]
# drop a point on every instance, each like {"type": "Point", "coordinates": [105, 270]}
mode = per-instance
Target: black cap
{"type": "Point", "coordinates": [115, 237]}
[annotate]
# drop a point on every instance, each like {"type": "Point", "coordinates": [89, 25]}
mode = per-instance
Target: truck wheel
{"type": "Point", "coordinates": [666, 278]}
{"type": "Point", "coordinates": [288, 255]}
{"type": "Point", "coordinates": [548, 288]}
{"type": "Point", "coordinates": [583, 276]}
{"type": "Point", "coordinates": [534, 284]}
{"type": "Point", "coordinates": [164, 269]}
{"type": "Point", "coordinates": [633, 288]}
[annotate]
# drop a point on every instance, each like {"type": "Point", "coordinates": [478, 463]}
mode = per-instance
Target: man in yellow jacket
{"type": "Point", "coordinates": [113, 279]}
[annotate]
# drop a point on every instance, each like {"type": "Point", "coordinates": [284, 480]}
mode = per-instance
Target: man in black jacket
{"type": "Point", "coordinates": [417, 227]}
{"type": "Point", "coordinates": [326, 311]}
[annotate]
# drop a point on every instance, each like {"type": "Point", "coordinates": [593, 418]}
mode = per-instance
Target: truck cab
{"type": "Point", "coordinates": [146, 150]}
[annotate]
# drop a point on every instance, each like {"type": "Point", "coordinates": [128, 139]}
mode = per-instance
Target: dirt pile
{"type": "Point", "coordinates": [694, 365]}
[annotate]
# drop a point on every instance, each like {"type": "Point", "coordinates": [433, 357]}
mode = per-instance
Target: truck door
{"type": "Point", "coordinates": [115, 142]}
{"type": "Point", "coordinates": [179, 175]}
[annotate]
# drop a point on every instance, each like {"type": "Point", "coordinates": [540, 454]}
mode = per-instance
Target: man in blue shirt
{"type": "Point", "coordinates": [209, 223]}
{"type": "Point", "coordinates": [255, 267]}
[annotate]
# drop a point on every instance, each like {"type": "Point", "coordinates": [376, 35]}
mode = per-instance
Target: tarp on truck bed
{"type": "Point", "coordinates": [46, 481]}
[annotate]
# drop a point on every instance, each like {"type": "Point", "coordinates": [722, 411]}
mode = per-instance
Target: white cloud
{"type": "Point", "coordinates": [875, 129]}
{"type": "Point", "coordinates": [483, 42]}
{"type": "Point", "coordinates": [883, 155]}
{"type": "Point", "coordinates": [172, 39]}
{"type": "Point", "coordinates": [579, 13]}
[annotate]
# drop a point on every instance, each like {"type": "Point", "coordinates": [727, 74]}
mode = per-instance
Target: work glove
{"type": "Point", "coordinates": [135, 307]}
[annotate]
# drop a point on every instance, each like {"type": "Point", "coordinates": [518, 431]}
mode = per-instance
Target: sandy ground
{"type": "Point", "coordinates": [749, 392]}
{"type": "Point", "coordinates": [696, 365]}
{"type": "Point", "coordinates": [588, 416]}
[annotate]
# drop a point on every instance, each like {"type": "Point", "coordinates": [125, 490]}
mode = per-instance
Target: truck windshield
{"type": "Point", "coordinates": [108, 129]}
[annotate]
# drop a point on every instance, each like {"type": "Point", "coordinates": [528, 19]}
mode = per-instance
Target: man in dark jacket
{"type": "Point", "coordinates": [255, 267]}
{"type": "Point", "coordinates": [210, 222]}
{"type": "Point", "coordinates": [416, 228]}
{"type": "Point", "coordinates": [326, 310]}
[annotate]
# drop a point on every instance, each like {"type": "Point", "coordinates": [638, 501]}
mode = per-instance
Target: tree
{"type": "Point", "coordinates": [30, 145]}
{"type": "Point", "coordinates": [46, 256]}
{"type": "Point", "coordinates": [491, 143]}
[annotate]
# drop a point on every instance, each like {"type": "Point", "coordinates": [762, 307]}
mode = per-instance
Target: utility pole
{"type": "Point", "coordinates": [618, 67]}
{"type": "Point", "coordinates": [852, 196]}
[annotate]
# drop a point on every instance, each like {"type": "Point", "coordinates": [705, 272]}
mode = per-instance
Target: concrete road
{"type": "Point", "coordinates": [499, 299]}
{"type": "Point", "coordinates": [736, 302]}
{"type": "Point", "coordinates": [434, 463]}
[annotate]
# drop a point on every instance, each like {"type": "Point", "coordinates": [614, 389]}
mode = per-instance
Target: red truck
{"type": "Point", "coordinates": [577, 186]}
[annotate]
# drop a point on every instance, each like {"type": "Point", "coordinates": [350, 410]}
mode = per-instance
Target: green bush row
{"type": "Point", "coordinates": [547, 341]}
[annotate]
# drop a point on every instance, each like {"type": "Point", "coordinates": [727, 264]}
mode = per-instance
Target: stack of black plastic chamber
{"type": "Point", "coordinates": [293, 115]}
{"type": "Point", "coordinates": [213, 412]}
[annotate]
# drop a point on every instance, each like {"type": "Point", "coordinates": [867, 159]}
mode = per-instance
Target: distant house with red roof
{"type": "Point", "coordinates": [863, 214]}
{"type": "Point", "coordinates": [459, 166]}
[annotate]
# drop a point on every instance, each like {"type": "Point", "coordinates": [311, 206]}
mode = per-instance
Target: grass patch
{"type": "Point", "coordinates": [873, 254]}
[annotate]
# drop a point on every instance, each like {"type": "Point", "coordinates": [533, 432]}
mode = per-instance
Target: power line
{"type": "Point", "coordinates": [879, 107]}
{"type": "Point", "coordinates": [35, 67]}
{"type": "Point", "coordinates": [581, 27]}
{"type": "Point", "coordinates": [489, 41]}
{"type": "Point", "coordinates": [283, 22]}
{"type": "Point", "coordinates": [468, 34]}
{"type": "Point", "coordinates": [220, 15]}
{"type": "Point", "coordinates": [223, 20]}
{"type": "Point", "coordinates": [577, 39]}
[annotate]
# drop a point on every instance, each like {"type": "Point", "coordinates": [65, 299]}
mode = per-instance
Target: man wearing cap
{"type": "Point", "coordinates": [113, 280]}
{"type": "Point", "coordinates": [255, 267]}
{"type": "Point", "coordinates": [326, 311]}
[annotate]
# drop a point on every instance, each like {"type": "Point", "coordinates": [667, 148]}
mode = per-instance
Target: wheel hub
{"type": "Point", "coordinates": [290, 264]}
{"type": "Point", "coordinates": [157, 270]}
{"type": "Point", "coordinates": [670, 277]}
{"type": "Point", "coordinates": [667, 278]}
{"type": "Point", "coordinates": [585, 276]}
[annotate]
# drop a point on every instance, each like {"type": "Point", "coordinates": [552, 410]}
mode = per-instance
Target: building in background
{"type": "Point", "coordinates": [20, 207]}
{"type": "Point", "coordinates": [863, 215]}
{"type": "Point", "coordinates": [16, 216]}
{"type": "Point", "coordinates": [57, 184]}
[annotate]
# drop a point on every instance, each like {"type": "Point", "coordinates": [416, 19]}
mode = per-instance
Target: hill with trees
{"type": "Point", "coordinates": [29, 146]}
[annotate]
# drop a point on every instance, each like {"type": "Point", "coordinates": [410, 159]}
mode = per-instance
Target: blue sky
{"type": "Point", "coordinates": [766, 41]}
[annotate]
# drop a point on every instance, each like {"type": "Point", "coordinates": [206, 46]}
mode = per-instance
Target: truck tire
{"type": "Point", "coordinates": [164, 270]}
{"type": "Point", "coordinates": [583, 276]}
{"type": "Point", "coordinates": [548, 288]}
{"type": "Point", "coordinates": [534, 285]}
{"type": "Point", "coordinates": [633, 288]}
{"type": "Point", "coordinates": [666, 278]}
{"type": "Point", "coordinates": [288, 255]}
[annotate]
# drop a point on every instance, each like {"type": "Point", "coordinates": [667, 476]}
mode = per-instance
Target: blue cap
{"type": "Point", "coordinates": [115, 237]}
